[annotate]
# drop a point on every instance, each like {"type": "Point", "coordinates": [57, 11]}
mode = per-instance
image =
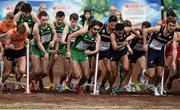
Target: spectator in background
{"type": "Point", "coordinates": [42, 7]}
{"type": "Point", "coordinates": [86, 18]}
{"type": "Point", "coordinates": [119, 17]}
{"type": "Point", "coordinates": [112, 11]}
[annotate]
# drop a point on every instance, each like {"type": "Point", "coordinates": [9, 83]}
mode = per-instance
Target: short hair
{"type": "Point", "coordinates": [74, 16]}
{"type": "Point", "coordinates": [10, 15]}
{"type": "Point", "coordinates": [43, 13]}
{"type": "Point", "coordinates": [95, 22]}
{"type": "Point", "coordinates": [119, 26]}
{"type": "Point", "coordinates": [127, 23]}
{"type": "Point", "coordinates": [26, 7]}
{"type": "Point", "coordinates": [170, 19]}
{"type": "Point", "coordinates": [60, 14]}
{"type": "Point", "coordinates": [146, 24]}
{"type": "Point", "coordinates": [170, 13]}
{"type": "Point", "coordinates": [112, 18]}
{"type": "Point", "coordinates": [21, 29]}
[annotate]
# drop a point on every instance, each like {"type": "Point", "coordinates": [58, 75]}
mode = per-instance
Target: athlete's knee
{"type": "Point", "coordinates": [77, 75]}
{"type": "Point", "coordinates": [22, 71]}
{"type": "Point", "coordinates": [126, 68]}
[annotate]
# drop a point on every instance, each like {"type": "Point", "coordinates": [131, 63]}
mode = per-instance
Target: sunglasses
{"type": "Point", "coordinates": [96, 29]}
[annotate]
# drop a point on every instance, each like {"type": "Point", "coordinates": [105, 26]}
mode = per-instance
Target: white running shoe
{"type": "Point", "coordinates": [156, 93]}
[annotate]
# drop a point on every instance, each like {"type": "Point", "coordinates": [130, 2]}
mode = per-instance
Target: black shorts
{"type": "Point", "coordinates": [13, 54]}
{"type": "Point", "coordinates": [104, 54]}
{"type": "Point", "coordinates": [155, 58]}
{"type": "Point", "coordinates": [136, 55]}
{"type": "Point", "coordinates": [116, 55]}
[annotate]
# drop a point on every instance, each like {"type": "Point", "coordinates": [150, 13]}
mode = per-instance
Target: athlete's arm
{"type": "Point", "coordinates": [114, 44]}
{"type": "Point", "coordinates": [64, 35]}
{"type": "Point", "coordinates": [132, 36]}
{"type": "Point", "coordinates": [37, 38]}
{"type": "Point", "coordinates": [74, 35]}
{"type": "Point", "coordinates": [27, 28]}
{"type": "Point", "coordinates": [17, 16]}
{"type": "Point", "coordinates": [35, 18]}
{"type": "Point", "coordinates": [8, 40]}
{"type": "Point", "coordinates": [54, 37]}
{"type": "Point", "coordinates": [174, 51]}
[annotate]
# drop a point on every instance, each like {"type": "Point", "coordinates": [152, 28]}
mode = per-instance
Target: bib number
{"type": "Point", "coordinates": [46, 38]}
{"type": "Point", "coordinates": [82, 46]}
{"type": "Point", "coordinates": [156, 45]}
{"type": "Point", "coordinates": [104, 46]}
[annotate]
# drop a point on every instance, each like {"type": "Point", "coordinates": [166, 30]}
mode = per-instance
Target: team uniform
{"type": "Point", "coordinates": [59, 31]}
{"type": "Point", "coordinates": [19, 48]}
{"type": "Point", "coordinates": [137, 46]}
{"type": "Point", "coordinates": [156, 50]}
{"type": "Point", "coordinates": [116, 55]}
{"type": "Point", "coordinates": [70, 31]}
{"type": "Point", "coordinates": [104, 51]}
{"type": "Point", "coordinates": [4, 28]}
{"type": "Point", "coordinates": [45, 37]}
{"type": "Point", "coordinates": [79, 46]}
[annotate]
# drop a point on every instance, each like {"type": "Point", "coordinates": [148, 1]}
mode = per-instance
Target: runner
{"type": "Point", "coordinates": [56, 52]}
{"type": "Point", "coordinates": [161, 36]}
{"type": "Point", "coordinates": [174, 63]}
{"type": "Point", "coordinates": [5, 25]}
{"type": "Point", "coordinates": [138, 58]}
{"type": "Point", "coordinates": [15, 49]}
{"type": "Point", "coordinates": [69, 29]}
{"type": "Point", "coordinates": [18, 7]}
{"type": "Point", "coordinates": [45, 37]}
{"type": "Point", "coordinates": [169, 57]}
{"type": "Point", "coordinates": [119, 50]}
{"type": "Point", "coordinates": [104, 53]}
{"type": "Point", "coordinates": [78, 52]}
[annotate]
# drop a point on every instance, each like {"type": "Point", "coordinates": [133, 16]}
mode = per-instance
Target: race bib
{"type": "Point", "coordinates": [138, 46]}
{"type": "Point", "coordinates": [46, 38]}
{"type": "Point", "coordinates": [82, 46]}
{"type": "Point", "coordinates": [59, 36]}
{"type": "Point", "coordinates": [104, 46]}
{"type": "Point", "coordinates": [156, 45]}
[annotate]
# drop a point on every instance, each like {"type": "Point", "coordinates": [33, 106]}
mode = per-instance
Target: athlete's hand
{"type": "Point", "coordinates": [88, 52]}
{"type": "Point", "coordinates": [145, 47]}
{"type": "Point", "coordinates": [125, 43]}
{"type": "Point", "coordinates": [46, 55]}
{"type": "Point", "coordinates": [68, 54]}
{"type": "Point", "coordinates": [130, 51]}
{"type": "Point", "coordinates": [27, 41]}
{"type": "Point", "coordinates": [10, 46]}
{"type": "Point", "coordinates": [51, 44]}
{"type": "Point", "coordinates": [173, 66]}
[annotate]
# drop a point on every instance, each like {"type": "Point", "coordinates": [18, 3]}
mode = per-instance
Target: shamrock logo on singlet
{"type": "Point", "coordinates": [159, 34]}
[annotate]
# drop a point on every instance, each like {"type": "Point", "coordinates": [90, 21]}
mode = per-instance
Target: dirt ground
{"type": "Point", "coordinates": [22, 100]}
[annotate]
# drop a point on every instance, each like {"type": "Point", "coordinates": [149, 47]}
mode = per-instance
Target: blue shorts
{"type": "Point", "coordinates": [136, 54]}
{"type": "Point", "coordinates": [104, 54]}
{"type": "Point", "coordinates": [116, 55]}
{"type": "Point", "coordinates": [155, 58]}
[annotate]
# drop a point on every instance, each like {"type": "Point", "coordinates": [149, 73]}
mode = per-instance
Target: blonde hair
{"type": "Point", "coordinates": [42, 5]}
{"type": "Point", "coordinates": [10, 15]}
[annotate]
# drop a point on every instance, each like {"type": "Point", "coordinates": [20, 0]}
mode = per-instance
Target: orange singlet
{"type": "Point", "coordinates": [4, 28]}
{"type": "Point", "coordinates": [18, 41]}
